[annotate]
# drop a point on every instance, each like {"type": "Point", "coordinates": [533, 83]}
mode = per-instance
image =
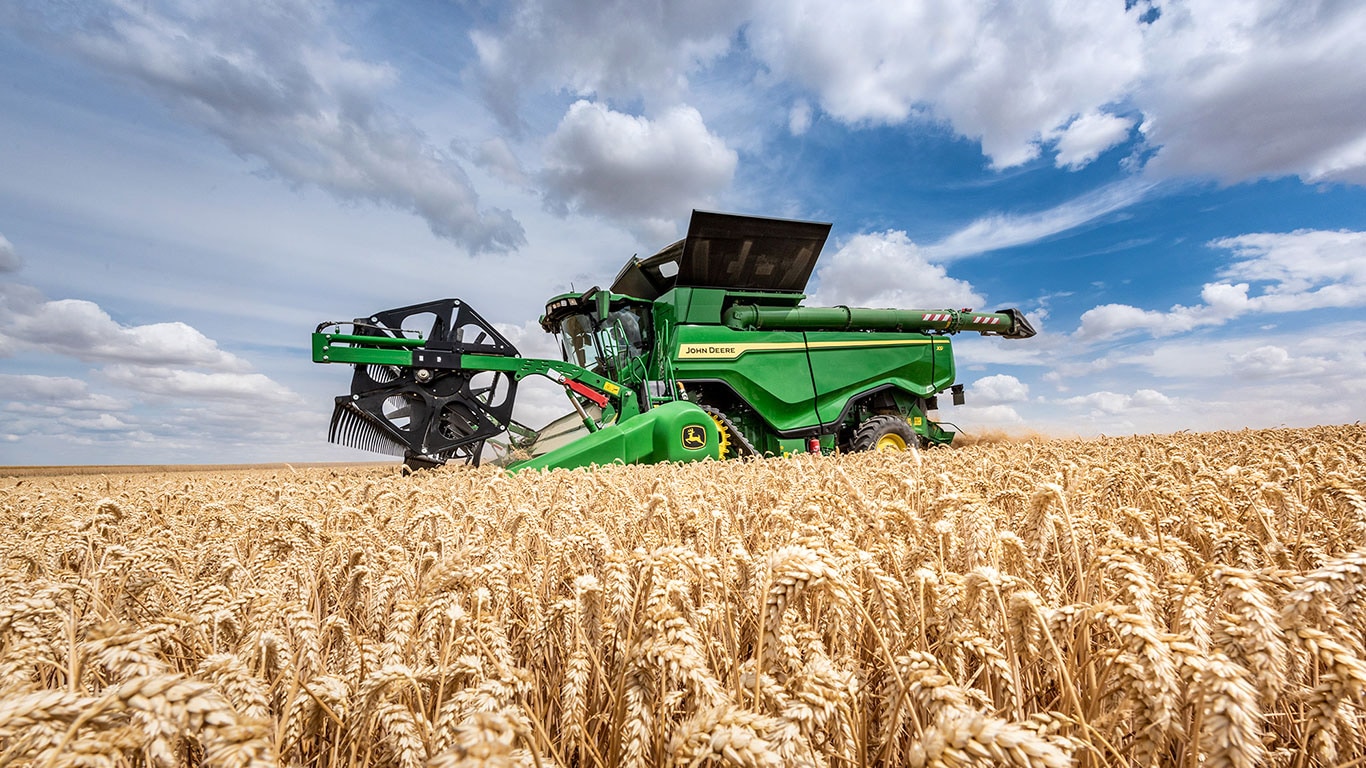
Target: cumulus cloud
{"type": "Point", "coordinates": [274, 82]}
{"type": "Point", "coordinates": [197, 385]}
{"type": "Point", "coordinates": [1222, 303]}
{"type": "Point", "coordinates": [998, 389]}
{"type": "Point", "coordinates": [159, 373]}
{"type": "Point", "coordinates": [623, 50]}
{"type": "Point", "coordinates": [1266, 361]}
{"type": "Point", "coordinates": [1305, 269]}
{"type": "Point", "coordinates": [539, 400]}
{"type": "Point", "coordinates": [1261, 88]}
{"type": "Point", "coordinates": [1301, 353]}
{"type": "Point", "coordinates": [166, 406]}
{"type": "Point", "coordinates": [9, 258]}
{"type": "Point", "coordinates": [1294, 271]}
{"type": "Point", "coordinates": [992, 416]}
{"type": "Point", "coordinates": [1004, 73]}
{"type": "Point", "coordinates": [496, 157]}
{"type": "Point", "coordinates": [1115, 403]}
{"type": "Point", "coordinates": [1089, 135]}
{"type": "Point", "coordinates": [45, 395]}
{"type": "Point", "coordinates": [1233, 90]}
{"type": "Point", "coordinates": [102, 422]}
{"type": "Point", "coordinates": [888, 270]}
{"type": "Point", "coordinates": [530, 339]}
{"type": "Point", "coordinates": [632, 168]}
{"type": "Point", "coordinates": [80, 329]}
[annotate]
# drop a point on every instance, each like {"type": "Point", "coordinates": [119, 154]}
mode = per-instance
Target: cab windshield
{"type": "Point", "coordinates": [608, 347]}
{"type": "Point", "coordinates": [578, 341]}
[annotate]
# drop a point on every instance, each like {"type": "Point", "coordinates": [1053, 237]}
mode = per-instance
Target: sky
{"type": "Point", "coordinates": [1173, 191]}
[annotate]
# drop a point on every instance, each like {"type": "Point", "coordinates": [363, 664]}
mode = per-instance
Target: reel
{"type": "Point", "coordinates": [431, 412]}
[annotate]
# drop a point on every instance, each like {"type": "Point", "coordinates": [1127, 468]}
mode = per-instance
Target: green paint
{"type": "Point", "coordinates": [782, 373]}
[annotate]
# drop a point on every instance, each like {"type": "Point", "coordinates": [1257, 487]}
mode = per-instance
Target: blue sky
{"type": "Point", "coordinates": [1172, 191]}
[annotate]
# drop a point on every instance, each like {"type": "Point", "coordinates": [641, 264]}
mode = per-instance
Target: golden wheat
{"type": "Point", "coordinates": [1186, 600]}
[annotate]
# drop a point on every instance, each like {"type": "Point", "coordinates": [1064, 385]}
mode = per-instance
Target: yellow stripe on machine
{"type": "Point", "coordinates": [721, 351]}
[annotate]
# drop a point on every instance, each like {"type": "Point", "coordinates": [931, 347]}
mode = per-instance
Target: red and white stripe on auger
{"type": "Point", "coordinates": [986, 320]}
{"type": "Point", "coordinates": [936, 318]}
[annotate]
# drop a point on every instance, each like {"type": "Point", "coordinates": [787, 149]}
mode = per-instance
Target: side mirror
{"type": "Point", "coordinates": [604, 299]}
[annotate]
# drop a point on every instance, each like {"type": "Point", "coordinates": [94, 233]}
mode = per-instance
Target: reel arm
{"type": "Point", "coordinates": [432, 381]}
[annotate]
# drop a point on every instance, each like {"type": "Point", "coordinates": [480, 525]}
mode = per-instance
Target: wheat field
{"type": "Point", "coordinates": [1185, 600]}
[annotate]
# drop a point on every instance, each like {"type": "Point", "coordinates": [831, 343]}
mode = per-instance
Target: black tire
{"type": "Point", "coordinates": [885, 433]}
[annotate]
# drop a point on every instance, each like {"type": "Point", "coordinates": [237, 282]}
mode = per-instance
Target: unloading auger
{"type": "Point", "coordinates": [703, 350]}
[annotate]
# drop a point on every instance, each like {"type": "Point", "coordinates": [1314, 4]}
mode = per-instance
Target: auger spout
{"type": "Point", "coordinates": [1007, 323]}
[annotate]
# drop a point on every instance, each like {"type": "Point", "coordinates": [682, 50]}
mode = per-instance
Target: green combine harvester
{"type": "Point", "coordinates": [703, 350]}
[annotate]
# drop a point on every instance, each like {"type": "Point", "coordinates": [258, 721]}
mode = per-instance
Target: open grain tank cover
{"type": "Point", "coordinates": [727, 251]}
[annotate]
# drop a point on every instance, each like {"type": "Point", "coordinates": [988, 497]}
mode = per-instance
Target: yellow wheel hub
{"type": "Point", "coordinates": [722, 437]}
{"type": "Point", "coordinates": [890, 442]}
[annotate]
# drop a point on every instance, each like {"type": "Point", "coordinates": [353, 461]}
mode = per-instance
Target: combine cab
{"type": "Point", "coordinates": [703, 350]}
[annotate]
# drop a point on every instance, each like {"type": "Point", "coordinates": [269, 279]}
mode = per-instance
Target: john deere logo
{"type": "Point", "coordinates": [694, 437]}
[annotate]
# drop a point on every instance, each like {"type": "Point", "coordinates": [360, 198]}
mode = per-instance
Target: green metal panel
{"type": "Point", "coordinates": [770, 370]}
{"type": "Point", "coordinates": [848, 364]}
{"type": "Point", "coordinates": [703, 305]}
{"type": "Point", "coordinates": [677, 431]}
{"type": "Point", "coordinates": [378, 350]}
{"type": "Point", "coordinates": [767, 369]}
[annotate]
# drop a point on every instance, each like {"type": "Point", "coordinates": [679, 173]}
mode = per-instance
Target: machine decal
{"type": "Point", "coordinates": [694, 437]}
{"type": "Point", "coordinates": [732, 351]}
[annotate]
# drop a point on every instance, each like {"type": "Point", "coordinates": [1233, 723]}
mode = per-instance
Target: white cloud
{"type": "Point", "coordinates": [1309, 375]}
{"type": "Point", "coordinates": [496, 157]}
{"type": "Point", "coordinates": [275, 82]}
{"type": "Point", "coordinates": [1300, 270]}
{"type": "Point", "coordinates": [1116, 403]}
{"type": "Point", "coordinates": [996, 231]}
{"type": "Point", "coordinates": [988, 416]}
{"type": "Point", "coordinates": [9, 258]}
{"type": "Point", "coordinates": [1256, 88]}
{"type": "Point", "coordinates": [633, 168]}
{"type": "Point", "coordinates": [1089, 135]}
{"type": "Point", "coordinates": [104, 422]}
{"type": "Point", "coordinates": [161, 374]}
{"type": "Point", "coordinates": [1223, 302]}
{"type": "Point", "coordinates": [1004, 73]}
{"type": "Point", "coordinates": [886, 269]}
{"type": "Point", "coordinates": [29, 393]}
{"type": "Point", "coordinates": [982, 353]}
{"type": "Point", "coordinates": [998, 389]}
{"type": "Point", "coordinates": [252, 388]}
{"type": "Point", "coordinates": [1265, 362]}
{"type": "Point", "coordinates": [1307, 269]}
{"type": "Point", "coordinates": [80, 329]}
{"type": "Point", "coordinates": [1296, 355]}
{"type": "Point", "coordinates": [799, 118]}
{"type": "Point", "coordinates": [530, 339]}
{"type": "Point", "coordinates": [1233, 90]}
{"type": "Point", "coordinates": [623, 50]}
{"type": "Point", "coordinates": [539, 400]}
